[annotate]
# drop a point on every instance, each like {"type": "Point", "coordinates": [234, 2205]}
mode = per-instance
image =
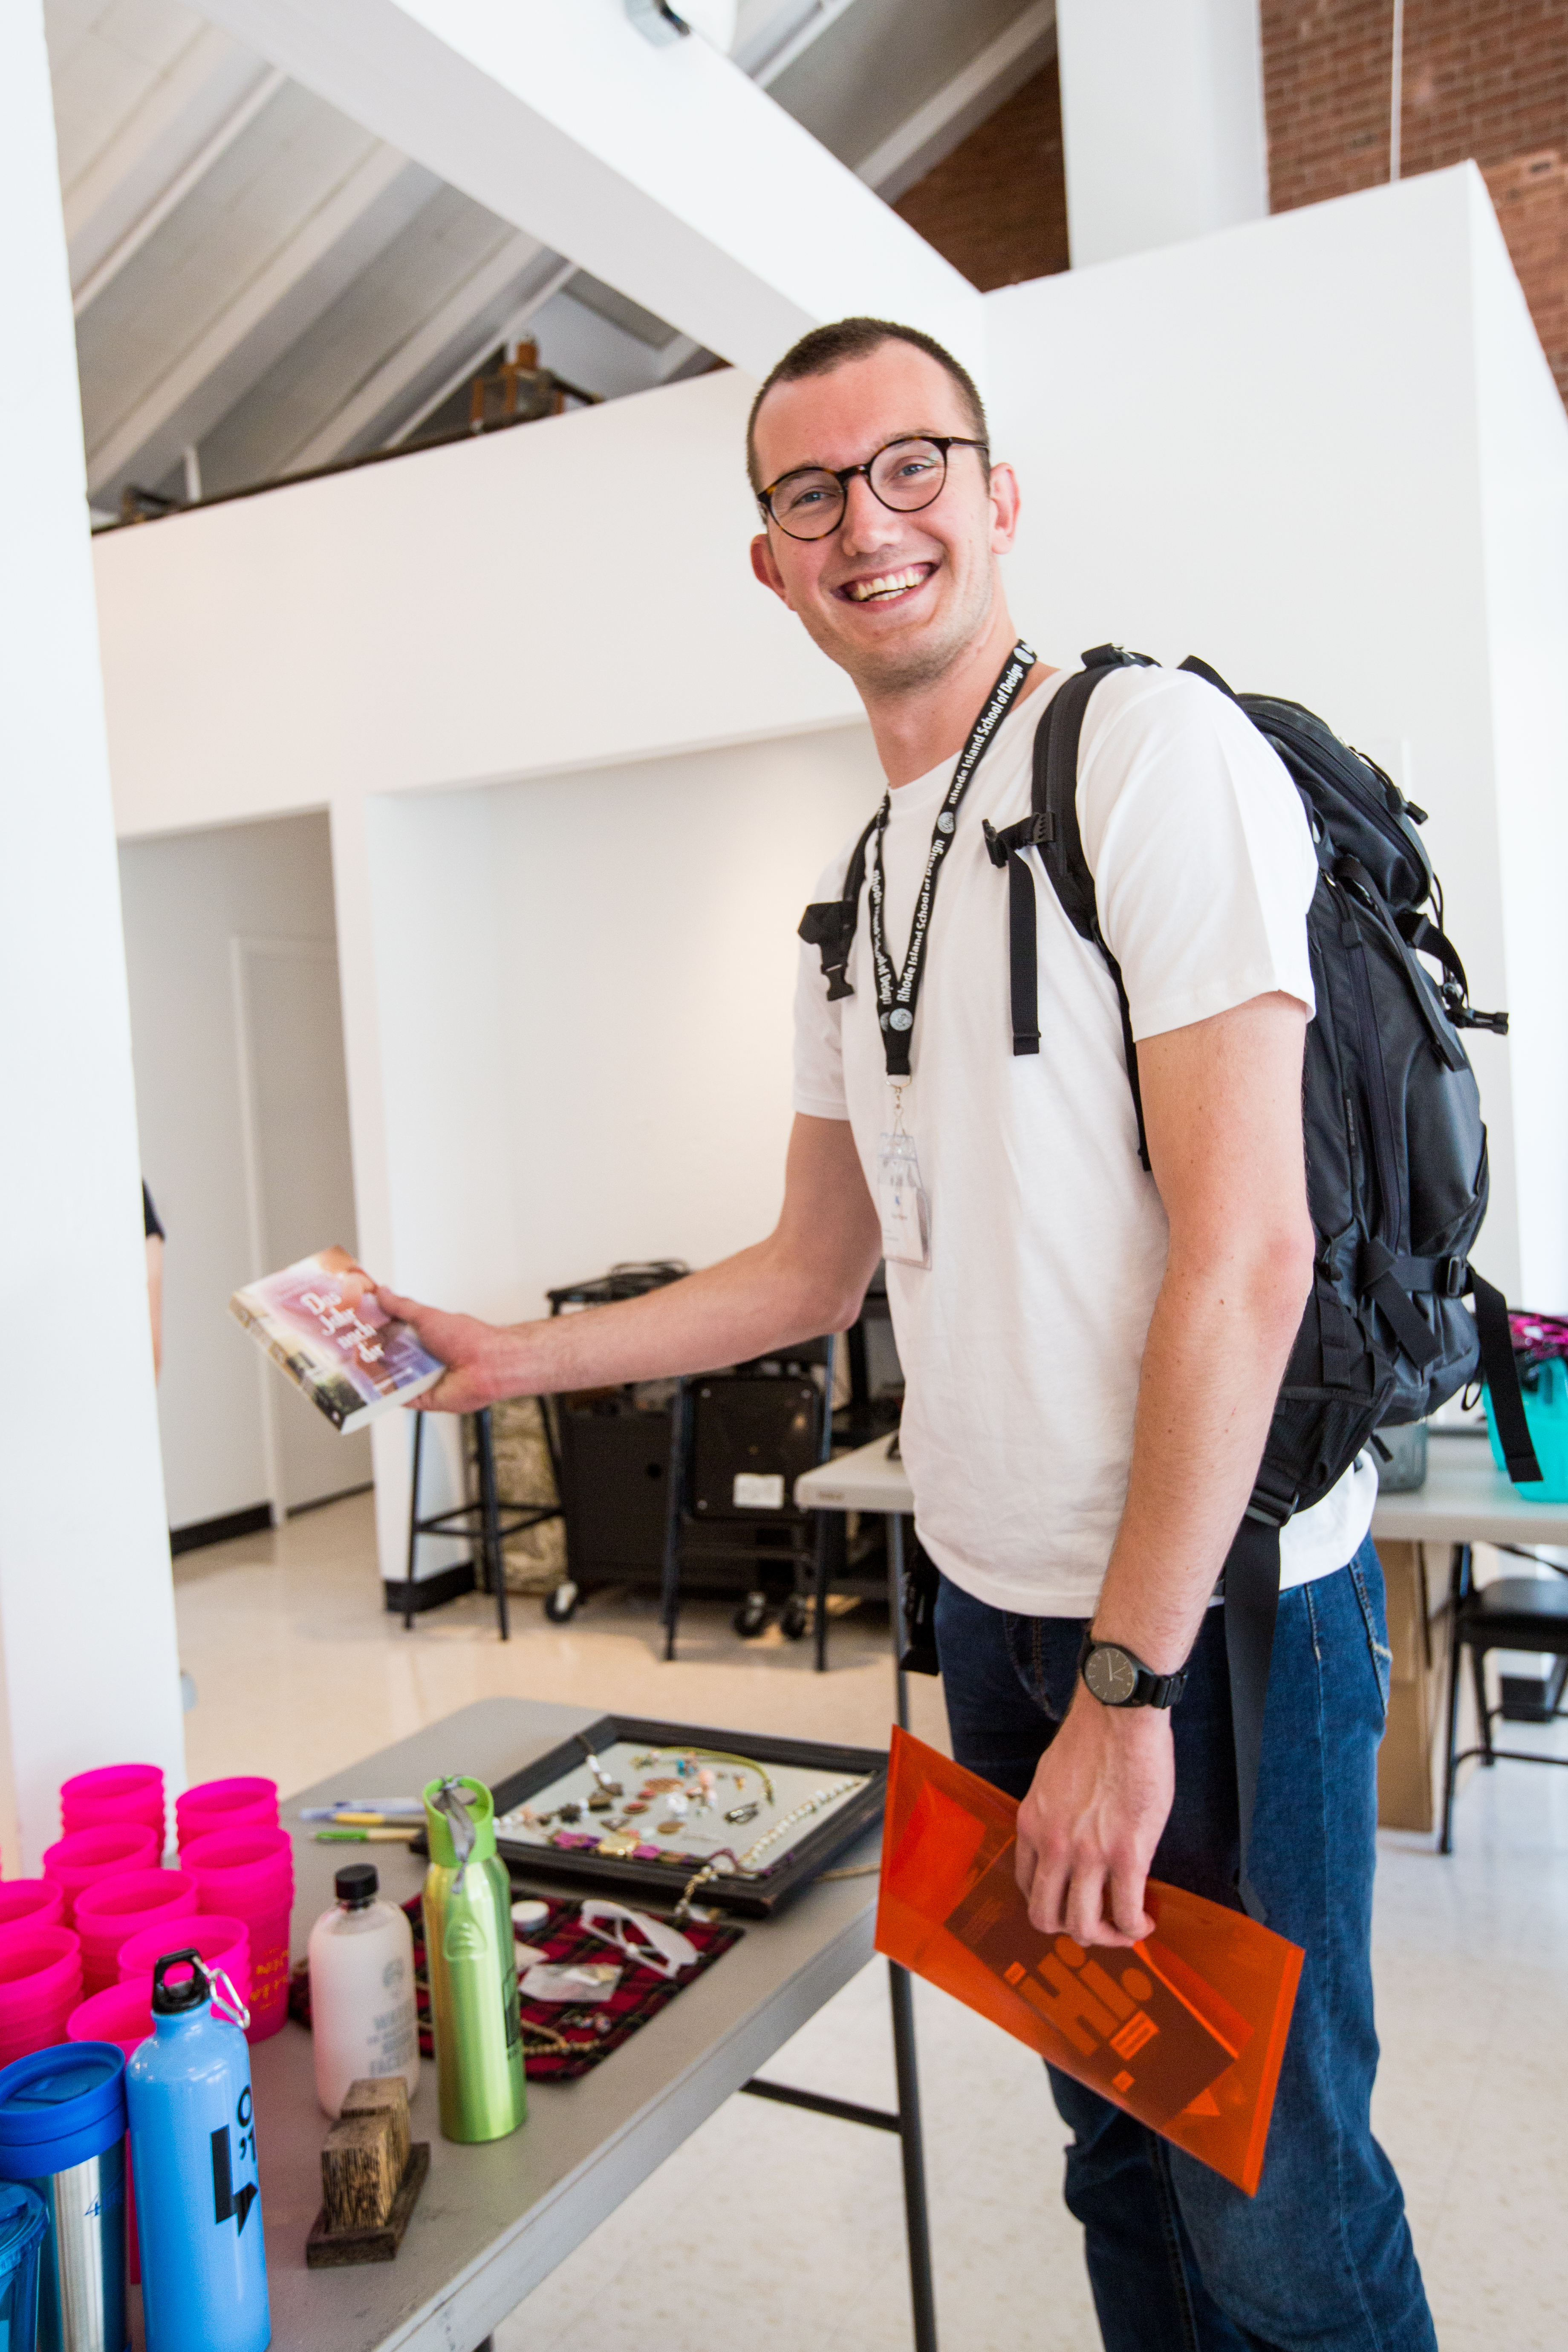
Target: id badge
{"type": "Point", "coordinates": [901, 1199]}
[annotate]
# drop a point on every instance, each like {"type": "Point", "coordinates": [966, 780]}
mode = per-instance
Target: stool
{"type": "Point", "coordinates": [487, 1522]}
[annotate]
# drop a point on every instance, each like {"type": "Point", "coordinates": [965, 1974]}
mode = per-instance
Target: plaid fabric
{"type": "Point", "coordinates": [641, 1994]}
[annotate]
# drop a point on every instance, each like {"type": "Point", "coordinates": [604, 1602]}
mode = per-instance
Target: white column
{"type": "Point", "coordinates": [663, 170]}
{"type": "Point", "coordinates": [1162, 121]}
{"type": "Point", "coordinates": [88, 1667]}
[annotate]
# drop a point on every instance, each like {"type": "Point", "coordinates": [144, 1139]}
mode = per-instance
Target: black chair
{"type": "Point", "coordinates": [1516, 1612]}
{"type": "Point", "coordinates": [487, 1522]}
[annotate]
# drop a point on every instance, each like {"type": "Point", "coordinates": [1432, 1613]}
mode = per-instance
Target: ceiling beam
{"type": "Point", "coordinates": [178, 114]}
{"type": "Point", "coordinates": [423, 369]}
{"type": "Point", "coordinates": [664, 171]}
{"type": "Point", "coordinates": [233, 349]}
{"type": "Point", "coordinates": [935, 129]}
{"type": "Point", "coordinates": [264, 86]}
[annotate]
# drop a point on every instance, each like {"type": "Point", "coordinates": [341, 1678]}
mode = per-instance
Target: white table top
{"type": "Point", "coordinates": [1466, 1498]}
{"type": "Point", "coordinates": [493, 2221]}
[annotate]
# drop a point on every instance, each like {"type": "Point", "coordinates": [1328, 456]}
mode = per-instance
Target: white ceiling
{"type": "Point", "coordinates": [259, 282]}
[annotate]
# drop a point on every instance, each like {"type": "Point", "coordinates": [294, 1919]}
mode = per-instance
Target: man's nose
{"type": "Point", "coordinates": [868, 524]}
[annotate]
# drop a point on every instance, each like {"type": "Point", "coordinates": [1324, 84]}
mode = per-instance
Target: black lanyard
{"type": "Point", "coordinates": [897, 998]}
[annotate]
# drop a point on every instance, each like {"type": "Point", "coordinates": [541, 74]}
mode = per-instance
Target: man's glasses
{"type": "Point", "coordinates": [907, 474]}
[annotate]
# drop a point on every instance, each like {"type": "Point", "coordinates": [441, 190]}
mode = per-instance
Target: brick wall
{"type": "Point", "coordinates": [1483, 79]}
{"type": "Point", "coordinates": [997, 206]}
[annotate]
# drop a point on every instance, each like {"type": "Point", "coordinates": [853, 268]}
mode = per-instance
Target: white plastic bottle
{"type": "Point", "coordinates": [364, 2020]}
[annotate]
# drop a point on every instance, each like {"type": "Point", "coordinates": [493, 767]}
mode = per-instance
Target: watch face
{"type": "Point", "coordinates": [1111, 1674]}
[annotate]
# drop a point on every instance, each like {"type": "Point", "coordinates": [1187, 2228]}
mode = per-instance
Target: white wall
{"type": "Point", "coordinates": [1269, 448]}
{"type": "Point", "coordinates": [89, 1673]}
{"type": "Point", "coordinates": [1524, 527]}
{"type": "Point", "coordinates": [492, 609]}
{"type": "Point", "coordinates": [186, 898]}
{"type": "Point", "coordinates": [1163, 124]}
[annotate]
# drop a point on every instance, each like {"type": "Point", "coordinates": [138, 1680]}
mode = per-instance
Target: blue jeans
{"type": "Point", "coordinates": [1180, 2260]}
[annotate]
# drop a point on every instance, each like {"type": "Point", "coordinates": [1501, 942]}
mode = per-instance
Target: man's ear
{"type": "Point", "coordinates": [1005, 502]}
{"type": "Point", "coordinates": [765, 567]}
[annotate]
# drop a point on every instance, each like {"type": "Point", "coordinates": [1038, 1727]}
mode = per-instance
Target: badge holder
{"type": "Point", "coordinates": [901, 1198]}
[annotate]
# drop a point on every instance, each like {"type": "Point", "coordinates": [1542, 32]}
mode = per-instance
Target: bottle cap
{"type": "Point", "coordinates": [187, 1993]}
{"type": "Point", "coordinates": [356, 1885]}
{"type": "Point", "coordinates": [474, 1800]}
{"type": "Point", "coordinates": [58, 2106]}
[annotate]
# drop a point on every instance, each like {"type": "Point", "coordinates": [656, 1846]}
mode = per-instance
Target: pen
{"type": "Point", "coordinates": [394, 1808]}
{"type": "Point", "coordinates": [365, 1837]}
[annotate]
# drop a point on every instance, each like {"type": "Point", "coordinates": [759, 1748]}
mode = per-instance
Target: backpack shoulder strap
{"type": "Point", "coordinates": [1052, 828]}
{"type": "Point", "coordinates": [828, 924]}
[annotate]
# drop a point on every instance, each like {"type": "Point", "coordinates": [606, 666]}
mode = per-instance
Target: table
{"type": "Point", "coordinates": [493, 2221]}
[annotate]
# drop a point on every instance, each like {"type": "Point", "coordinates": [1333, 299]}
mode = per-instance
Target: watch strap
{"type": "Point", "coordinates": [1149, 1689]}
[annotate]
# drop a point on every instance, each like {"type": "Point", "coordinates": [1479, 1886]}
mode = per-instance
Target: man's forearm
{"type": "Point", "coordinates": [747, 1306]}
{"type": "Point", "coordinates": [1218, 1344]}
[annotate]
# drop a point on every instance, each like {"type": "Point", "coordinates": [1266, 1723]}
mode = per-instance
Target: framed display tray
{"type": "Point", "coordinates": [771, 1813]}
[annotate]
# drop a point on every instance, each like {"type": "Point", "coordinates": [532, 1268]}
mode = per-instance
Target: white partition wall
{"type": "Point", "coordinates": [582, 774]}
{"type": "Point", "coordinates": [1325, 452]}
{"type": "Point", "coordinates": [87, 1670]}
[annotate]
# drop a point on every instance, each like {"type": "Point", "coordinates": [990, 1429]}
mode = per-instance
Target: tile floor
{"type": "Point", "coordinates": [786, 2228]}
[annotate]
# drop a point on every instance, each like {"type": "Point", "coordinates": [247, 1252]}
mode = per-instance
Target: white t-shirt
{"type": "Point", "coordinates": [1022, 1342]}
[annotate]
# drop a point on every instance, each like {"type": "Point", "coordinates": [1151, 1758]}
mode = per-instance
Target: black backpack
{"type": "Point", "coordinates": [1396, 1156]}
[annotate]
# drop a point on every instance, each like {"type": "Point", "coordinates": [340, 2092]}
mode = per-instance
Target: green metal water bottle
{"type": "Point", "coordinates": [472, 1967]}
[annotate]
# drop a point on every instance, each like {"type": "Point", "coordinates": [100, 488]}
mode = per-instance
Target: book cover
{"type": "Point", "coordinates": [323, 1325]}
{"type": "Point", "coordinates": [1185, 2029]}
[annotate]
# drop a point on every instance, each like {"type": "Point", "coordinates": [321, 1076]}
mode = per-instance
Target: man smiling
{"type": "Point", "coordinates": [1091, 1349]}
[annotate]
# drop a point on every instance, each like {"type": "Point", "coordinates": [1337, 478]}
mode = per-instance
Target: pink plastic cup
{"type": "Point", "coordinates": [221, 1943]}
{"type": "Point", "coordinates": [121, 2013]}
{"type": "Point", "coordinates": [249, 1874]}
{"type": "Point", "coordinates": [86, 1855]}
{"type": "Point", "coordinates": [39, 1901]}
{"type": "Point", "coordinates": [120, 1792]}
{"type": "Point", "coordinates": [40, 1984]}
{"type": "Point", "coordinates": [212, 1805]}
{"type": "Point", "coordinates": [110, 1911]}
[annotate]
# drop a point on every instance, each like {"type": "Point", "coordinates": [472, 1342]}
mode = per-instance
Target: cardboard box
{"type": "Point", "coordinates": [1411, 1760]}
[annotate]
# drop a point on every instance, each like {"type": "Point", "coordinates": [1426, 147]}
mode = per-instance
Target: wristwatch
{"type": "Point", "coordinates": [1115, 1678]}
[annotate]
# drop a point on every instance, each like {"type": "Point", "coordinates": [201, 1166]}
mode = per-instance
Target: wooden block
{"type": "Point", "coordinates": [381, 2094]}
{"type": "Point", "coordinates": [326, 2249]}
{"type": "Point", "coordinates": [359, 2171]}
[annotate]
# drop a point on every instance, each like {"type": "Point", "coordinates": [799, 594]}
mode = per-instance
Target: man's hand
{"type": "Point", "coordinates": [481, 1358]}
{"type": "Point", "coordinates": [1090, 1824]}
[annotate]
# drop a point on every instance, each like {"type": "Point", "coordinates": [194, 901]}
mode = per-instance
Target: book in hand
{"type": "Point", "coordinates": [1185, 2029]}
{"type": "Point", "coordinates": [321, 1324]}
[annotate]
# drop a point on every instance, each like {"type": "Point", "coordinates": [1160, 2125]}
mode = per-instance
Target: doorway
{"type": "Point", "coordinates": [299, 1179]}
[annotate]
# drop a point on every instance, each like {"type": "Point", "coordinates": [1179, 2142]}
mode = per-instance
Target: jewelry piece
{"type": "Point", "coordinates": [667, 1829]}
{"type": "Point", "coordinates": [599, 1802]}
{"type": "Point", "coordinates": [769, 1837]}
{"type": "Point", "coordinates": [619, 1841]}
{"type": "Point", "coordinates": [739, 1815]}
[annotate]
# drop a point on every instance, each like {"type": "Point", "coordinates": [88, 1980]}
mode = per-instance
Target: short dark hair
{"type": "Point", "coordinates": [834, 346]}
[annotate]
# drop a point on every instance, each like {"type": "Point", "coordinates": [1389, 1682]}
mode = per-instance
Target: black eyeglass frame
{"type": "Point", "coordinates": [844, 475]}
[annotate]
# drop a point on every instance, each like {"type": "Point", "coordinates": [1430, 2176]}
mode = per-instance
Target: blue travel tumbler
{"type": "Point", "coordinates": [62, 2130]}
{"type": "Point", "coordinates": [193, 2149]}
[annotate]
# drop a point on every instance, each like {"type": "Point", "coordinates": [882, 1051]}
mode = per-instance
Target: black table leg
{"type": "Point", "coordinates": [896, 1612]}
{"type": "Point", "coordinates": [916, 2220]}
{"type": "Point", "coordinates": [413, 1521]}
{"type": "Point", "coordinates": [1457, 1580]}
{"type": "Point", "coordinates": [495, 1559]}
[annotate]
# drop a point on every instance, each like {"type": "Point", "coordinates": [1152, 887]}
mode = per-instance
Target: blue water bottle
{"type": "Point", "coordinates": [193, 2151]}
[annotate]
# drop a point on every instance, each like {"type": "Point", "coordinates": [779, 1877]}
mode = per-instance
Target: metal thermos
{"type": "Point", "coordinates": [62, 2130]}
{"type": "Point", "coordinates": [472, 1967]}
{"type": "Point", "coordinates": [198, 2200]}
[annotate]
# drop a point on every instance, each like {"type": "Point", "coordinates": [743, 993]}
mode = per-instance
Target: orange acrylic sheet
{"type": "Point", "coordinates": [1185, 2030]}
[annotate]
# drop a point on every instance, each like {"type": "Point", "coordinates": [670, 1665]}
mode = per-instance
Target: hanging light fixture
{"type": "Point", "coordinates": [661, 21]}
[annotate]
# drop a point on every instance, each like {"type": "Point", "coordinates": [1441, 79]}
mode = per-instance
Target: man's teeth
{"type": "Point", "coordinates": [892, 583]}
